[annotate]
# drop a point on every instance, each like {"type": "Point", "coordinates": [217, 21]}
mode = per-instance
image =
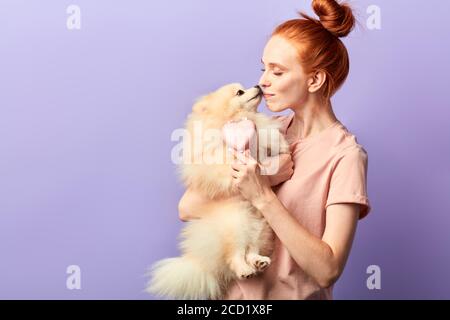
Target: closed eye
{"type": "Point", "coordinates": [275, 73]}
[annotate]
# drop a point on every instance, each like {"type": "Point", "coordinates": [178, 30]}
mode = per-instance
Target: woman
{"type": "Point", "coordinates": [314, 214]}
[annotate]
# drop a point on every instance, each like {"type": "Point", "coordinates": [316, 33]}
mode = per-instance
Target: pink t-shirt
{"type": "Point", "coordinates": [329, 167]}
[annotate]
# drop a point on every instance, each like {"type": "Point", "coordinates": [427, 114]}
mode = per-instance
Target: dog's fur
{"type": "Point", "coordinates": [232, 241]}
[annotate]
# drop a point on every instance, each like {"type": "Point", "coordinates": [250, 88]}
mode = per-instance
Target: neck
{"type": "Point", "coordinates": [311, 118]}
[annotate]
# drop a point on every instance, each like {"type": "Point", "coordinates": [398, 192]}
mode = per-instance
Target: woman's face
{"type": "Point", "coordinates": [283, 81]}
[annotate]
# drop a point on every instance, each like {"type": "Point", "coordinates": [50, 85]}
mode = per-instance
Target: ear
{"type": "Point", "coordinates": [316, 81]}
{"type": "Point", "coordinates": [200, 107]}
{"type": "Point", "coordinates": [202, 104]}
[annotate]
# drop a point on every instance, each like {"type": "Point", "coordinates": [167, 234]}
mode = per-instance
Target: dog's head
{"type": "Point", "coordinates": [229, 99]}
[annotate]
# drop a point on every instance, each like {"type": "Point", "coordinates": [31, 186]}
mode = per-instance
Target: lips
{"type": "Point", "coordinates": [268, 95]}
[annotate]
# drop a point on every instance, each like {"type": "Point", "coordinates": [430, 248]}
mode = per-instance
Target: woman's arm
{"type": "Point", "coordinates": [282, 164]}
{"type": "Point", "coordinates": [323, 259]}
{"type": "Point", "coordinates": [190, 204]}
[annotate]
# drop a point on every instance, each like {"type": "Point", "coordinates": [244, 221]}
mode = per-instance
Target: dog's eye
{"type": "Point", "coordinates": [240, 92]}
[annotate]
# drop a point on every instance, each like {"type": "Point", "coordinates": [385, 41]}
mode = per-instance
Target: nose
{"type": "Point", "coordinates": [259, 89]}
{"type": "Point", "coordinates": [263, 82]}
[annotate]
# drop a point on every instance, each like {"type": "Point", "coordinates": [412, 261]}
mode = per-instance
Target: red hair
{"type": "Point", "coordinates": [318, 44]}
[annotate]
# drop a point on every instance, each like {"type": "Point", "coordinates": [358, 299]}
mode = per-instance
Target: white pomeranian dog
{"type": "Point", "coordinates": [232, 241]}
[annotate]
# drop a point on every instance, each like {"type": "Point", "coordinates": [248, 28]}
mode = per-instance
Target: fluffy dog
{"type": "Point", "coordinates": [232, 241]}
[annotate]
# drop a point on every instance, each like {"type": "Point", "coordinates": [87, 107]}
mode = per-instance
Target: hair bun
{"type": "Point", "coordinates": [337, 19]}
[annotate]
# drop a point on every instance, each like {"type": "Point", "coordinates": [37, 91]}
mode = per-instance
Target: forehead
{"type": "Point", "coordinates": [280, 50]}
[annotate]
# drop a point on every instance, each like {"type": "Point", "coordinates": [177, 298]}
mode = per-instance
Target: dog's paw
{"type": "Point", "coordinates": [260, 262]}
{"type": "Point", "coordinates": [246, 272]}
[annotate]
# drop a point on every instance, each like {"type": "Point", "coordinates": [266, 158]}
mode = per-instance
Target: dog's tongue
{"type": "Point", "coordinates": [238, 134]}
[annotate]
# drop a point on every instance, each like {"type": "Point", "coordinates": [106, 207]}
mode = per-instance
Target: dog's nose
{"type": "Point", "coordinates": [259, 88]}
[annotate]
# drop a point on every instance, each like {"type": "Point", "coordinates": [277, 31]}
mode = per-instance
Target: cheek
{"type": "Point", "coordinates": [292, 90]}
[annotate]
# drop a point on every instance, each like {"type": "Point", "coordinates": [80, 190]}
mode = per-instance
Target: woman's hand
{"type": "Point", "coordinates": [278, 168]}
{"type": "Point", "coordinates": [247, 179]}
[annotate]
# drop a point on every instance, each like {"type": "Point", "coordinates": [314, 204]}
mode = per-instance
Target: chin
{"type": "Point", "coordinates": [274, 107]}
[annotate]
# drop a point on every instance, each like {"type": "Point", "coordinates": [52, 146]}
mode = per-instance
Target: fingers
{"type": "Point", "coordinates": [286, 163]}
{"type": "Point", "coordinates": [240, 156]}
{"type": "Point", "coordinates": [236, 166]}
{"type": "Point", "coordinates": [243, 163]}
{"type": "Point", "coordinates": [285, 159]}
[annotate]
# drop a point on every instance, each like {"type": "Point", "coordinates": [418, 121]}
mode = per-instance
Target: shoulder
{"type": "Point", "coordinates": [345, 144]}
{"type": "Point", "coordinates": [354, 155]}
{"type": "Point", "coordinates": [341, 149]}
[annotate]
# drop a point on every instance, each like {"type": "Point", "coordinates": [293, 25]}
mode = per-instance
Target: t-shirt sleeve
{"type": "Point", "coordinates": [348, 182]}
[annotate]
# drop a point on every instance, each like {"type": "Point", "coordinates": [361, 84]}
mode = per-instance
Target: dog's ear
{"type": "Point", "coordinates": [201, 106]}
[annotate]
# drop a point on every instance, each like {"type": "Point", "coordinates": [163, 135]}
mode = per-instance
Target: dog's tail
{"type": "Point", "coordinates": [183, 278]}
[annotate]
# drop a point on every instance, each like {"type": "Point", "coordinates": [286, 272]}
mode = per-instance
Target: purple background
{"type": "Point", "coordinates": [86, 118]}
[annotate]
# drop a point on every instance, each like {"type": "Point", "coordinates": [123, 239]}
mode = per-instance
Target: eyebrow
{"type": "Point", "coordinates": [275, 64]}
